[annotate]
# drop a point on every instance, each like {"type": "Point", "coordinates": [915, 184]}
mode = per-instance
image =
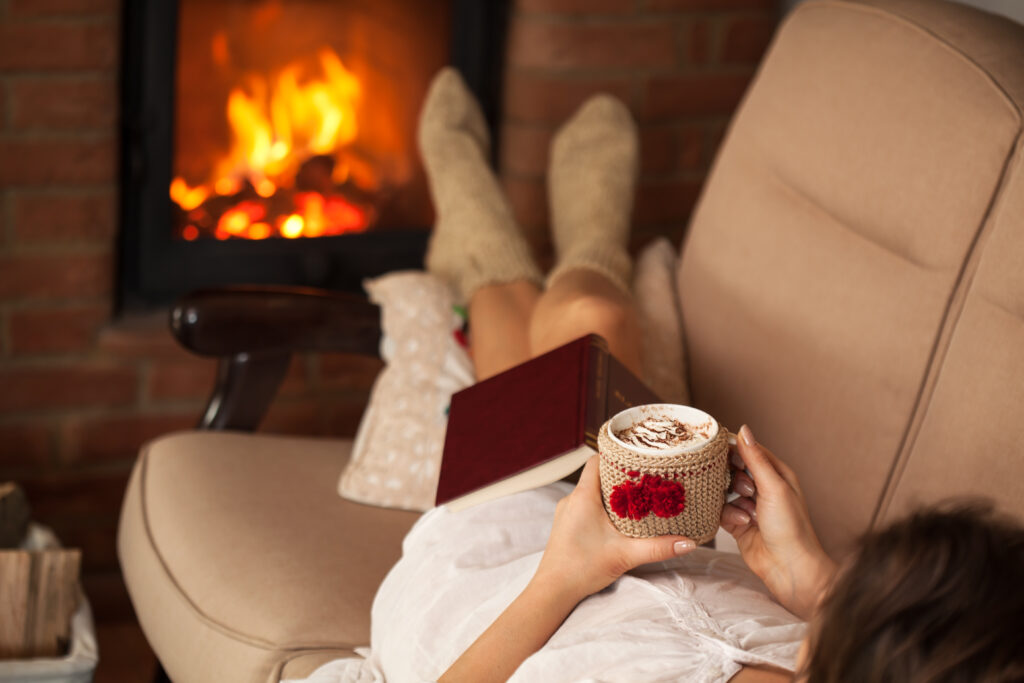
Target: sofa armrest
{"type": "Point", "coordinates": [254, 331]}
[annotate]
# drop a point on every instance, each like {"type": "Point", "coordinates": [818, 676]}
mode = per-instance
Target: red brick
{"type": "Point", "coordinates": [665, 202]}
{"type": "Point", "coordinates": [295, 417]}
{"type": "Point", "coordinates": [657, 151]}
{"type": "Point", "coordinates": [528, 199]}
{"type": "Point", "coordinates": [56, 275]}
{"type": "Point", "coordinates": [44, 162]}
{"type": "Point", "coordinates": [545, 45]}
{"type": "Point", "coordinates": [63, 103]}
{"type": "Point", "coordinates": [62, 217]}
{"type": "Point", "coordinates": [746, 40]}
{"type": "Point", "coordinates": [524, 149]}
{"type": "Point", "coordinates": [62, 7]}
{"type": "Point", "coordinates": [65, 386]}
{"type": "Point", "coordinates": [698, 42]}
{"type": "Point", "coordinates": [296, 379]}
{"type": "Point", "coordinates": [97, 538]}
{"type": "Point", "coordinates": [188, 378]}
{"type": "Point", "coordinates": [108, 598]}
{"type": "Point", "coordinates": [51, 330]}
{"type": "Point", "coordinates": [61, 498]}
{"type": "Point", "coordinates": [26, 444]}
{"type": "Point", "coordinates": [45, 45]}
{"type": "Point", "coordinates": [695, 95]}
{"type": "Point", "coordinates": [712, 4]}
{"type": "Point", "coordinates": [588, 7]}
{"type": "Point", "coordinates": [534, 98]}
{"type": "Point", "coordinates": [343, 417]}
{"type": "Point", "coordinates": [142, 336]}
{"type": "Point", "coordinates": [118, 438]}
{"type": "Point", "coordinates": [349, 370]}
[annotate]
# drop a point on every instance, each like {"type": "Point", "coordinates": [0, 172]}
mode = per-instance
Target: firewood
{"type": "Point", "coordinates": [40, 590]}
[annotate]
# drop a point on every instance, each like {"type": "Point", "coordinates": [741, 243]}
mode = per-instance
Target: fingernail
{"type": "Point", "coordinates": [745, 488]}
{"type": "Point", "coordinates": [747, 435]}
{"type": "Point", "coordinates": [681, 547]}
{"type": "Point", "coordinates": [743, 517]}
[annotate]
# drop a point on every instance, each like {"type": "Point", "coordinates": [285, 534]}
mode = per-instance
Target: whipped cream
{"type": "Point", "coordinates": [660, 432]}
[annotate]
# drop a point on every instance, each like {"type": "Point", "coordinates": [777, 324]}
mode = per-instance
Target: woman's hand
{"type": "Point", "coordinates": [773, 529]}
{"type": "Point", "coordinates": [586, 553]}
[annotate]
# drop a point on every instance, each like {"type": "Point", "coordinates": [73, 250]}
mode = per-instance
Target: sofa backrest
{"type": "Point", "coordinates": [852, 283]}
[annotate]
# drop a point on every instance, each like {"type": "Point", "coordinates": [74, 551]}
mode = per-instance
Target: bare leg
{"type": "Point", "coordinates": [500, 317]}
{"type": "Point", "coordinates": [582, 301]}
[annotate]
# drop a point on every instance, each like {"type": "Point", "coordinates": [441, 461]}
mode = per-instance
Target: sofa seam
{"type": "Point", "coordinates": [190, 604]}
{"type": "Point", "coordinates": [955, 305]}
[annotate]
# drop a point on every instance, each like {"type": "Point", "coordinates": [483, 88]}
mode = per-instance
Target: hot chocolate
{"type": "Point", "coordinates": [661, 432]}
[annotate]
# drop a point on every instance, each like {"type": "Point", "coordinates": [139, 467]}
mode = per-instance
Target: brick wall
{"type": "Point", "coordinates": [680, 65]}
{"type": "Point", "coordinates": [79, 391]}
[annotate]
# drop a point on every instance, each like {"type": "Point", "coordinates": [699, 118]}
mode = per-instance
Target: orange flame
{"type": "Point", "coordinates": [275, 127]}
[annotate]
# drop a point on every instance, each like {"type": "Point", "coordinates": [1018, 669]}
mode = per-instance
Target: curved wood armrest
{"type": "Point", "coordinates": [254, 331]}
{"type": "Point", "coordinates": [262, 320]}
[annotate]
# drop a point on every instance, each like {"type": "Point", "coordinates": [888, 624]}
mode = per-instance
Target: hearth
{"type": "Point", "coordinates": [272, 142]}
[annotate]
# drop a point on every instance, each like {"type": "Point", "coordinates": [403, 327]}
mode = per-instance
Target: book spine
{"type": "Point", "coordinates": [595, 386]}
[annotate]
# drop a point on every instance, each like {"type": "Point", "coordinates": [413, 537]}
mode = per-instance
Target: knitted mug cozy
{"type": "Point", "coordinates": [654, 495]}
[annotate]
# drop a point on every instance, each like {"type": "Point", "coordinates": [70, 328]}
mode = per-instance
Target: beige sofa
{"type": "Point", "coordinates": [852, 286]}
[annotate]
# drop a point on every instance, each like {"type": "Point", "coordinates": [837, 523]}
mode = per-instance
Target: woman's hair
{"type": "Point", "coordinates": [936, 597]}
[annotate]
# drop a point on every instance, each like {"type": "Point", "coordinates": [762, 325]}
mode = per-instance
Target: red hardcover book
{"type": "Point", "coordinates": [533, 424]}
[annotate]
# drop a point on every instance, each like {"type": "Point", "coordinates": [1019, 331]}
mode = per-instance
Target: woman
{"type": "Point", "coordinates": [502, 591]}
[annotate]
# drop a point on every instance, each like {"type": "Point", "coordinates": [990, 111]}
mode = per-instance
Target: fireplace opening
{"type": "Point", "coordinates": [273, 142]}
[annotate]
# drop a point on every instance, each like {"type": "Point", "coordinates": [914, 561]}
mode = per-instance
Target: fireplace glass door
{"type": "Point", "coordinates": [297, 119]}
{"type": "Point", "coordinates": [273, 141]}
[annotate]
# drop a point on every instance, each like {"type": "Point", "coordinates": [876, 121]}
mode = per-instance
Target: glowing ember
{"type": "Point", "coordinates": [286, 172]}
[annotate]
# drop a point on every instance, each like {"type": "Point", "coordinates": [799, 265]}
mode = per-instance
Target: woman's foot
{"type": "Point", "coordinates": [475, 240]}
{"type": "Point", "coordinates": [591, 180]}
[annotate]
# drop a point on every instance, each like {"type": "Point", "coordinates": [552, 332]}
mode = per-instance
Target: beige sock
{"type": "Point", "coordinates": [591, 179]}
{"type": "Point", "coordinates": [476, 240]}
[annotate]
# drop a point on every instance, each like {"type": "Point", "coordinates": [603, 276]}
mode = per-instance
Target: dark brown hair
{"type": "Point", "coordinates": [937, 597]}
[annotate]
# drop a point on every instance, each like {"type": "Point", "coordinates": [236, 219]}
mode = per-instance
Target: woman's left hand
{"type": "Point", "coordinates": [586, 553]}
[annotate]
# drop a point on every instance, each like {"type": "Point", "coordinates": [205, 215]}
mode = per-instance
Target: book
{"type": "Point", "coordinates": [533, 424]}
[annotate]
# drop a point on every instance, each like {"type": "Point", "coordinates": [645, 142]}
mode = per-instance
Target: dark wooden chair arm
{"type": "Point", "coordinates": [254, 331]}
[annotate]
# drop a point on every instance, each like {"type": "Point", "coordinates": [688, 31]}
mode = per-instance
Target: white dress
{"type": "Point", "coordinates": [698, 618]}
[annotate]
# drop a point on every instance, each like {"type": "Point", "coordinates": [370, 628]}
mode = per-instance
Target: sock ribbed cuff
{"type": "Point", "coordinates": [485, 262]}
{"type": "Point", "coordinates": [610, 260]}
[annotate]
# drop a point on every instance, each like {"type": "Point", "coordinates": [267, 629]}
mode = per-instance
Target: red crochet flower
{"type": "Point", "coordinates": [630, 500]}
{"type": "Point", "coordinates": [667, 497]}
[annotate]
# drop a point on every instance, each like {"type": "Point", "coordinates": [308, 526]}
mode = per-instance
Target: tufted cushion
{"type": "Point", "coordinates": [831, 236]}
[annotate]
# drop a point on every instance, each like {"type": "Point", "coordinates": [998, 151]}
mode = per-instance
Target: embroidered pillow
{"type": "Point", "coordinates": [396, 456]}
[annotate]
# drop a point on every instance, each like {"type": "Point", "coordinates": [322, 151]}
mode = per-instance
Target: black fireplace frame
{"type": "Point", "coordinates": [154, 268]}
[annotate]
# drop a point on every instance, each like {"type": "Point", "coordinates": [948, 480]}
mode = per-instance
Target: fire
{"type": "Point", "coordinates": [288, 134]}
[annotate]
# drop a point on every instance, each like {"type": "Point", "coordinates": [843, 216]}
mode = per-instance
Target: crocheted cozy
{"type": "Point", "coordinates": [653, 495]}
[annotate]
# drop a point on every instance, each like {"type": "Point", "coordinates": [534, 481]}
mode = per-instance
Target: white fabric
{"type": "Point", "coordinates": [697, 619]}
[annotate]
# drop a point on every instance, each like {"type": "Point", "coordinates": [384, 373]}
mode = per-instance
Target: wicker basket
{"type": "Point", "coordinates": [647, 495]}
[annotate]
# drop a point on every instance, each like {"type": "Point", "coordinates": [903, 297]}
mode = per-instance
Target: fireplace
{"type": "Point", "coordinates": [273, 142]}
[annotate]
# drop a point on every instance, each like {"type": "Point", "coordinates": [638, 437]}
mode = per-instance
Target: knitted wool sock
{"type": "Point", "coordinates": [475, 241]}
{"type": "Point", "coordinates": [591, 180]}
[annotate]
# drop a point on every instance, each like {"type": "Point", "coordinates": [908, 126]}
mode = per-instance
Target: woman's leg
{"type": "Point", "coordinates": [591, 181]}
{"type": "Point", "coordinates": [476, 245]}
{"type": "Point", "coordinates": [499, 326]}
{"type": "Point", "coordinates": [582, 301]}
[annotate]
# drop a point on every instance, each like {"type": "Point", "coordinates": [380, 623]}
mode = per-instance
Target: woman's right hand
{"type": "Point", "coordinates": [773, 530]}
